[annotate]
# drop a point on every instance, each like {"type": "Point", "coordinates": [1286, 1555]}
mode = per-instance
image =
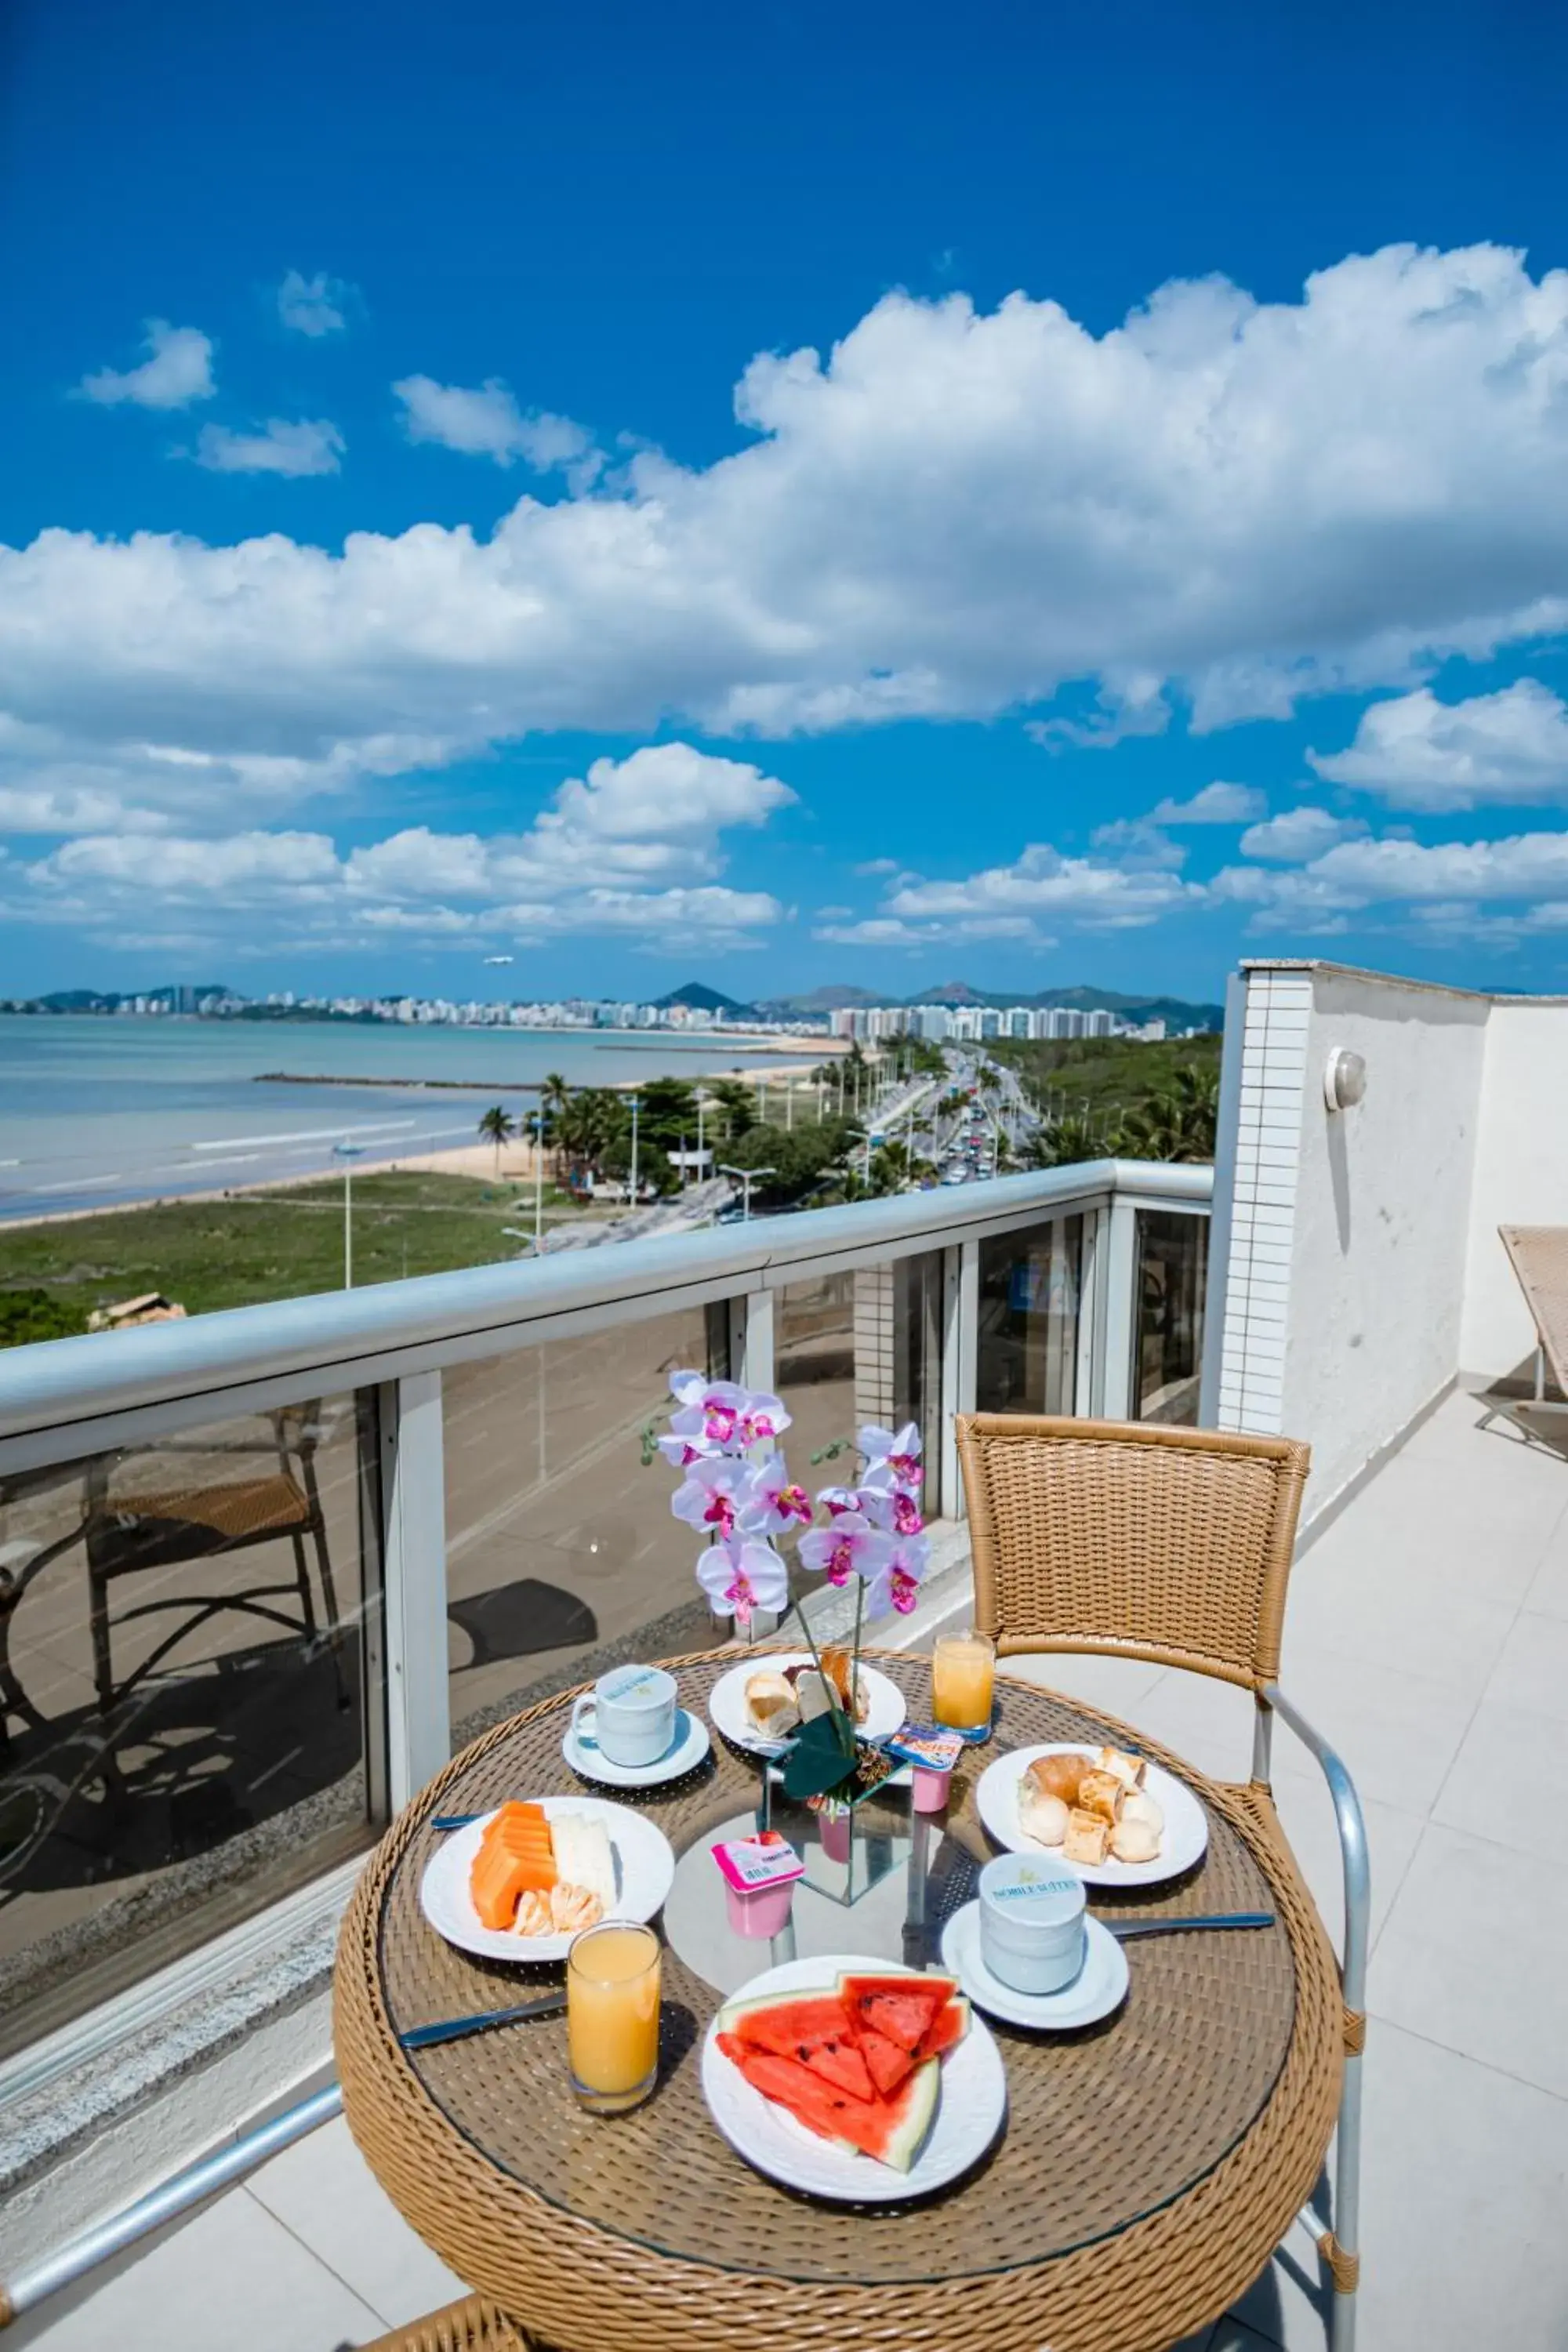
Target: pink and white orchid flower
{"type": "Point", "coordinates": [836, 1501]}
{"type": "Point", "coordinates": [681, 1452]}
{"type": "Point", "coordinates": [850, 1547]}
{"type": "Point", "coordinates": [777, 1503]}
{"type": "Point", "coordinates": [899, 1451]}
{"type": "Point", "coordinates": [889, 1504]}
{"type": "Point", "coordinates": [742, 1575]}
{"type": "Point", "coordinates": [722, 1414]}
{"type": "Point", "coordinates": [714, 1495]}
{"type": "Point", "coordinates": [897, 1582]}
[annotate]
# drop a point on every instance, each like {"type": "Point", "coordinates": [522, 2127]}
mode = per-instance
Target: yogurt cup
{"type": "Point", "coordinates": [932, 1753]}
{"type": "Point", "coordinates": [1031, 1922]}
{"type": "Point", "coordinates": [759, 1877]}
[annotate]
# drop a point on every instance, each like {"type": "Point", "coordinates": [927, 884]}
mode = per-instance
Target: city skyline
{"type": "Point", "coordinates": [826, 497]}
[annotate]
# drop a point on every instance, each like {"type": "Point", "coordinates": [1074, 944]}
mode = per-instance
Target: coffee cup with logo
{"type": "Point", "coordinates": [628, 1715]}
{"type": "Point", "coordinates": [1031, 1923]}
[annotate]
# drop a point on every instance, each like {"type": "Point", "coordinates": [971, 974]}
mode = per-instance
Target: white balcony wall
{"type": "Point", "coordinates": [1520, 1172]}
{"type": "Point", "coordinates": [1350, 1229]}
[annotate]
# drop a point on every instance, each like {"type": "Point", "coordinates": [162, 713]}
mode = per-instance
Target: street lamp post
{"type": "Point", "coordinates": [348, 1154]}
{"type": "Point", "coordinates": [636, 1106]}
{"type": "Point", "coordinates": [748, 1177]}
{"type": "Point", "coordinates": [539, 1177]}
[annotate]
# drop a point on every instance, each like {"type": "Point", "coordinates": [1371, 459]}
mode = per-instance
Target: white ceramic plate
{"type": "Point", "coordinates": [969, 2111]}
{"type": "Point", "coordinates": [727, 1700]}
{"type": "Point", "coordinates": [645, 1867]}
{"type": "Point", "coordinates": [690, 1745]}
{"type": "Point", "coordinates": [1097, 1988]}
{"type": "Point", "coordinates": [1186, 1838]}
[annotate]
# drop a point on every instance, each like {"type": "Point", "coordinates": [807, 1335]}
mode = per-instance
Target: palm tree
{"type": "Point", "coordinates": [1178, 1123]}
{"type": "Point", "coordinates": [1067, 1140]}
{"type": "Point", "coordinates": [498, 1127]}
{"type": "Point", "coordinates": [554, 1097]}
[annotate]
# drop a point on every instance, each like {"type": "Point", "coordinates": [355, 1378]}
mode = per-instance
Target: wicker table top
{"type": "Point", "coordinates": [1149, 2163]}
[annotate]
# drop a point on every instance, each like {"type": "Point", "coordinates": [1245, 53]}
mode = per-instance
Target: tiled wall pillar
{"type": "Point", "coordinates": [1266, 1159]}
{"type": "Point", "coordinates": [874, 1346]}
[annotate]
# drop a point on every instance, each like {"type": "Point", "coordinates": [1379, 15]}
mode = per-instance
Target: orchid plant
{"type": "Point", "coordinates": [735, 1488]}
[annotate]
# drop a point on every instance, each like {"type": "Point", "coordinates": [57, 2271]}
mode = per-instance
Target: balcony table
{"type": "Point", "coordinates": [1149, 2166]}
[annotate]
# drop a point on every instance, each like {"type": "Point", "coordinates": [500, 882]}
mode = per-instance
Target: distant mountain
{"type": "Point", "coordinates": [700, 998]}
{"type": "Point", "coordinates": [822, 999]}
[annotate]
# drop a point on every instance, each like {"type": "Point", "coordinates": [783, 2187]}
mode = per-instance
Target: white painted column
{"type": "Point", "coordinates": [418, 1716]}
{"type": "Point", "coordinates": [1119, 1251]}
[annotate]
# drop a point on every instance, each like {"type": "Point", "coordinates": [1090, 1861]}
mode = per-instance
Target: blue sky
{"type": "Point", "coordinates": [781, 496]}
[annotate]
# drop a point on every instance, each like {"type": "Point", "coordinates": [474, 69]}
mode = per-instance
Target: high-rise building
{"type": "Point", "coordinates": [1100, 1024]}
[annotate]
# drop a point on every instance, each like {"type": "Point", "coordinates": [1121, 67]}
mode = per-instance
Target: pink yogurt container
{"type": "Point", "coordinates": [931, 1755]}
{"type": "Point", "coordinates": [759, 1877]}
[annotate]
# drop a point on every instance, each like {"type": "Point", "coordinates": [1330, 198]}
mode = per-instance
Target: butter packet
{"type": "Point", "coordinates": [935, 1749]}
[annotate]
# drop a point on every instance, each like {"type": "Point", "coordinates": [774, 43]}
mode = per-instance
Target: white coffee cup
{"type": "Point", "coordinates": [628, 1715]}
{"type": "Point", "coordinates": [1031, 1922]}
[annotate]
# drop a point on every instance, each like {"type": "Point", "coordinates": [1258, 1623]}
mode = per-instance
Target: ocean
{"type": "Point", "coordinates": [95, 1110]}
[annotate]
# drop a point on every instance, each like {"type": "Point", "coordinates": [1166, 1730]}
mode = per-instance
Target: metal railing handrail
{"type": "Point", "coordinates": [57, 1383]}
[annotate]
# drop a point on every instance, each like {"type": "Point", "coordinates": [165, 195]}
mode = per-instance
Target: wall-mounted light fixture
{"type": "Point", "coordinates": [1344, 1079]}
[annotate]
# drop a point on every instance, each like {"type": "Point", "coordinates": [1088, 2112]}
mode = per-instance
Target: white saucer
{"type": "Point", "coordinates": [690, 1745]}
{"type": "Point", "coordinates": [1099, 1987]}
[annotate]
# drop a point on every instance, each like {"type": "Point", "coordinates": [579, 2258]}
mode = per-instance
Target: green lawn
{"type": "Point", "coordinates": [261, 1246]}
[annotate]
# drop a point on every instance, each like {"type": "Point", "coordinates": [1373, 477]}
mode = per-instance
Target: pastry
{"type": "Point", "coordinates": [1058, 1775]}
{"type": "Point", "coordinates": [1138, 1805]}
{"type": "Point", "coordinates": [1041, 1815]}
{"type": "Point", "coordinates": [771, 1706]}
{"type": "Point", "coordinates": [1135, 1842]}
{"type": "Point", "coordinates": [836, 1665]}
{"type": "Point", "coordinates": [1102, 1793]}
{"type": "Point", "coordinates": [1087, 1836]}
{"type": "Point", "coordinates": [1129, 1769]}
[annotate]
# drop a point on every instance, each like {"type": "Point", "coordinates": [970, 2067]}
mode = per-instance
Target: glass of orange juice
{"type": "Point", "coordinates": [612, 2016]}
{"type": "Point", "coordinates": [962, 1673]}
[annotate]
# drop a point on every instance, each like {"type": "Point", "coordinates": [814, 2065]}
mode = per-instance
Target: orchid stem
{"type": "Point", "coordinates": [839, 1717]}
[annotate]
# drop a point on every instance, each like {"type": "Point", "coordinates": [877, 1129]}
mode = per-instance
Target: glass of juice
{"type": "Point", "coordinates": [962, 1671]}
{"type": "Point", "coordinates": [612, 2016]}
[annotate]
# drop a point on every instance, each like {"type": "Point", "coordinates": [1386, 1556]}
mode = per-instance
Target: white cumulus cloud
{"type": "Point", "coordinates": [1297, 835]}
{"type": "Point", "coordinates": [178, 370]}
{"type": "Point", "coordinates": [1215, 805]}
{"type": "Point", "coordinates": [954, 513]}
{"type": "Point", "coordinates": [312, 306]}
{"type": "Point", "coordinates": [487, 423]}
{"type": "Point", "coordinates": [1508, 748]}
{"type": "Point", "coordinates": [306, 447]}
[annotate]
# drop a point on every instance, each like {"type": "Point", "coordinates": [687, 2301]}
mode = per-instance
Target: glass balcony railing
{"type": "Point", "coordinates": [261, 1572]}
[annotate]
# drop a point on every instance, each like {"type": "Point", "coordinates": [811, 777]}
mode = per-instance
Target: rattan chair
{"type": "Point", "coordinates": [471, 2326]}
{"type": "Point", "coordinates": [1131, 1540]}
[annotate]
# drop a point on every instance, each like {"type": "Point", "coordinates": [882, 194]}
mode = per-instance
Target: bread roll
{"type": "Point", "coordinates": [1059, 1776]}
{"type": "Point", "coordinates": [1138, 1805]}
{"type": "Point", "coordinates": [1041, 1815]}
{"type": "Point", "coordinates": [1102, 1793]}
{"type": "Point", "coordinates": [1133, 1841]}
{"type": "Point", "coordinates": [1087, 1836]}
{"type": "Point", "coordinates": [1129, 1769]}
{"type": "Point", "coordinates": [771, 1706]}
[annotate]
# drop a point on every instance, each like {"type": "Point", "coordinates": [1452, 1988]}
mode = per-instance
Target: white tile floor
{"type": "Point", "coordinates": [1427, 1636]}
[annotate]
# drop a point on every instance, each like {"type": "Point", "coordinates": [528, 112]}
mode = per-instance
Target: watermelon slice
{"type": "Point", "coordinates": [891, 2130]}
{"type": "Point", "coordinates": [814, 2031]}
{"type": "Point", "coordinates": [946, 2029]}
{"type": "Point", "coordinates": [885, 2062]}
{"type": "Point", "coordinates": [901, 2008]}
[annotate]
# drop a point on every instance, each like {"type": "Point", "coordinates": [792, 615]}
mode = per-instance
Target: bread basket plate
{"type": "Point", "coordinates": [886, 1710]}
{"type": "Point", "coordinates": [971, 2110]}
{"type": "Point", "coordinates": [645, 1868]}
{"type": "Point", "coordinates": [1185, 1841]}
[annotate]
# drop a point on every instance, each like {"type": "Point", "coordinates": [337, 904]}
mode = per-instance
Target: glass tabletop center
{"type": "Point", "coordinates": [867, 1890]}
